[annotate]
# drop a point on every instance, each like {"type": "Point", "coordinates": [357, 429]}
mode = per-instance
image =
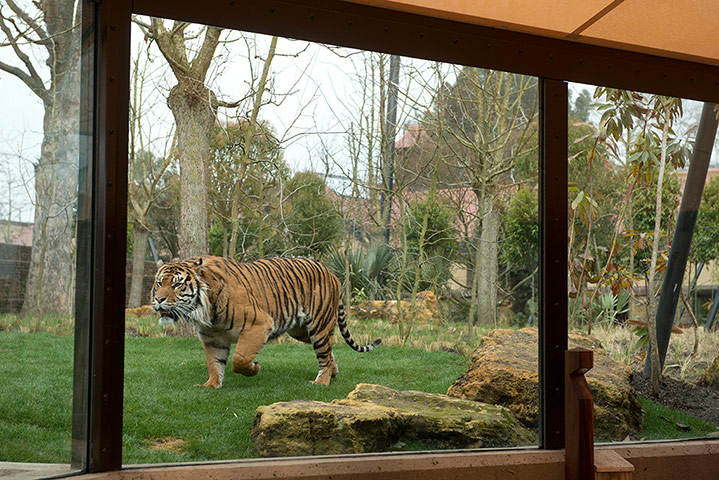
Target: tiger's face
{"type": "Point", "coordinates": [179, 292]}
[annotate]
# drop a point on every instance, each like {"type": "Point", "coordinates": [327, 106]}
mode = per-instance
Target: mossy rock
{"type": "Point", "coordinates": [504, 370]}
{"type": "Point", "coordinates": [304, 427]}
{"type": "Point", "coordinates": [451, 422]}
{"type": "Point", "coordinates": [373, 418]}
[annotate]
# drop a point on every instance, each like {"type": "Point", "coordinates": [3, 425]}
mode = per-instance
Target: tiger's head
{"type": "Point", "coordinates": [180, 293]}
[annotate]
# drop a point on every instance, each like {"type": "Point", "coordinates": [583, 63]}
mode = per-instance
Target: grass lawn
{"type": "Point", "coordinates": [661, 422]}
{"type": "Point", "coordinates": [167, 418]}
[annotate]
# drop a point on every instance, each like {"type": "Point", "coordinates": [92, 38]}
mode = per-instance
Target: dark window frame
{"type": "Point", "coordinates": [99, 343]}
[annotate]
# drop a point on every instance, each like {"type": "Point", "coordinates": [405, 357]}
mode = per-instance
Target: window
{"type": "Point", "coordinates": [43, 243]}
{"type": "Point", "coordinates": [102, 334]}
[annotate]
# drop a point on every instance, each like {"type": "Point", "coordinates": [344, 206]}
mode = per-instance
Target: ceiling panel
{"type": "Point", "coordinates": [552, 17]}
{"type": "Point", "coordinates": [684, 29]}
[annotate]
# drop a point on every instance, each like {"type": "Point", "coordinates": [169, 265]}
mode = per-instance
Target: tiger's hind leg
{"type": "Point", "coordinates": [326, 359]}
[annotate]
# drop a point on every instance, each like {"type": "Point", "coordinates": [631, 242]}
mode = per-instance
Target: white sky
{"type": "Point", "coordinates": [324, 99]}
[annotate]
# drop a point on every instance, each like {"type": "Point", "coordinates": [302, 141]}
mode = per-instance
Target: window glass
{"type": "Point", "coordinates": [625, 148]}
{"type": "Point", "coordinates": [39, 242]}
{"type": "Point", "coordinates": [413, 183]}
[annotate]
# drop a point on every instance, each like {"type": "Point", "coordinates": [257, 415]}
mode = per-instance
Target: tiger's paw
{"type": "Point", "coordinates": [240, 366]}
{"type": "Point", "coordinates": [211, 383]}
{"type": "Point", "coordinates": [315, 382]}
{"type": "Point", "coordinates": [323, 378]}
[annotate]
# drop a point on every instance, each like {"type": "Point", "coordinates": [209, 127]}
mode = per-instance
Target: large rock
{"type": "Point", "coordinates": [711, 375]}
{"type": "Point", "coordinates": [446, 421]}
{"type": "Point", "coordinates": [373, 418]}
{"type": "Point", "coordinates": [304, 427]}
{"type": "Point", "coordinates": [504, 371]}
{"type": "Point", "coordinates": [426, 309]}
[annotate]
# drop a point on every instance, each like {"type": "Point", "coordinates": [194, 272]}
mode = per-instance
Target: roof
{"type": "Point", "coordinates": [412, 136]}
{"type": "Point", "coordinates": [681, 29]}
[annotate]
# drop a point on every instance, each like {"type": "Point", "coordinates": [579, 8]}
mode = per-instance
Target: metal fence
{"type": "Point", "coordinates": [14, 266]}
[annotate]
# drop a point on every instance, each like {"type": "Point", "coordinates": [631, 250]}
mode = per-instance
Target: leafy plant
{"type": "Point", "coordinates": [314, 222]}
{"type": "Point", "coordinates": [369, 270]}
{"type": "Point", "coordinates": [608, 306]}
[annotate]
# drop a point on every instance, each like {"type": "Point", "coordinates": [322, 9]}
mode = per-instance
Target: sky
{"type": "Point", "coordinates": [316, 100]}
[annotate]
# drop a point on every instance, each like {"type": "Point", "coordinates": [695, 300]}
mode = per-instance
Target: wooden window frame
{"type": "Point", "coordinates": [99, 346]}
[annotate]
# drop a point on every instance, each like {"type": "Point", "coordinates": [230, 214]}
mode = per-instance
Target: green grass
{"type": "Point", "coordinates": [162, 405]}
{"type": "Point", "coordinates": [661, 423]}
{"type": "Point", "coordinates": [35, 397]}
{"type": "Point", "coordinates": [168, 419]}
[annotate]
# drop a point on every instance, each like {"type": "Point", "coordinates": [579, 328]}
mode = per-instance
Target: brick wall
{"type": "Point", "coordinates": [14, 265]}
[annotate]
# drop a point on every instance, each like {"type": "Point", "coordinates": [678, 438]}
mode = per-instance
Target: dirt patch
{"type": "Point", "coordinates": [168, 444]}
{"type": "Point", "coordinates": [699, 401]}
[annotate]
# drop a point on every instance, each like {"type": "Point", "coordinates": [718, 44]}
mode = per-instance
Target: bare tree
{"type": "Point", "coordinates": [488, 117]}
{"type": "Point", "coordinates": [145, 176]}
{"type": "Point", "coordinates": [194, 107]}
{"type": "Point", "coordinates": [51, 25]}
{"type": "Point", "coordinates": [247, 142]}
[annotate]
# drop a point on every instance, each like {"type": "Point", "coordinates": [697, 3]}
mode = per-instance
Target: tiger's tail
{"type": "Point", "coordinates": [348, 338]}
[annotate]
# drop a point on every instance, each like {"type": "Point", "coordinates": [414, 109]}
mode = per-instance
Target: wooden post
{"type": "Point", "coordinates": [609, 465]}
{"type": "Point", "coordinates": [578, 416]}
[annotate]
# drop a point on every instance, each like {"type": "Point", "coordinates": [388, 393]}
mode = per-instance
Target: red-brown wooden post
{"type": "Point", "coordinates": [579, 421]}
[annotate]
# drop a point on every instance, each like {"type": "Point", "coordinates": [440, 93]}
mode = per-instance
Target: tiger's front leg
{"type": "Point", "coordinates": [252, 338]}
{"type": "Point", "coordinates": [216, 353]}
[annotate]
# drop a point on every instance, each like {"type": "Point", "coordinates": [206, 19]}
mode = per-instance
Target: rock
{"type": "Point", "coordinates": [426, 309]}
{"type": "Point", "coordinates": [446, 421]}
{"type": "Point", "coordinates": [373, 418]}
{"type": "Point", "coordinates": [504, 371]}
{"type": "Point", "coordinates": [143, 311]}
{"type": "Point", "coordinates": [710, 376]}
{"type": "Point", "coordinates": [304, 427]}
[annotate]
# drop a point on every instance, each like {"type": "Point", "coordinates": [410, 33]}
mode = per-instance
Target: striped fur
{"type": "Point", "coordinates": [250, 303]}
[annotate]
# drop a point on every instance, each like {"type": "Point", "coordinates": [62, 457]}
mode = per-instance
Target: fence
{"type": "Point", "coordinates": [147, 279]}
{"type": "Point", "coordinates": [14, 267]}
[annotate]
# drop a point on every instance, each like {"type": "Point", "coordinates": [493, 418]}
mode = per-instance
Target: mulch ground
{"type": "Point", "coordinates": [696, 400]}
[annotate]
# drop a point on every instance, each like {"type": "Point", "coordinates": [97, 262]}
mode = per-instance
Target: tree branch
{"type": "Point", "coordinates": [44, 37]}
{"type": "Point", "coordinates": [175, 57]}
{"type": "Point", "coordinates": [201, 63]}
{"type": "Point", "coordinates": [31, 78]}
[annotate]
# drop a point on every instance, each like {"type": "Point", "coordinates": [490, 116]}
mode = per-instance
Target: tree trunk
{"type": "Point", "coordinates": [487, 273]}
{"type": "Point", "coordinates": [651, 305]}
{"type": "Point", "coordinates": [140, 236]}
{"type": "Point", "coordinates": [194, 117]}
{"type": "Point", "coordinates": [50, 283]}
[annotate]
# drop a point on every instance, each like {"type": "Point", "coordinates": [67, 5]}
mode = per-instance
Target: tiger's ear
{"type": "Point", "coordinates": [197, 266]}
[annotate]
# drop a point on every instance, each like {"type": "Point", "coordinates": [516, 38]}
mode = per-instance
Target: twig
{"type": "Point", "coordinates": [694, 322]}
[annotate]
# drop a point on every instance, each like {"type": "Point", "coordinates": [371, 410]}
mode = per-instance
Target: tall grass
{"type": "Point", "coordinates": [620, 341]}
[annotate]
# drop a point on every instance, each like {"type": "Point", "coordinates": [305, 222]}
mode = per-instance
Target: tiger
{"type": "Point", "coordinates": [252, 303]}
